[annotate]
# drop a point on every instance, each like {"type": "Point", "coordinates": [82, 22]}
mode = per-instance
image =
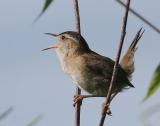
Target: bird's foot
{"type": "Point", "coordinates": [109, 112]}
{"type": "Point", "coordinates": [106, 109]}
{"type": "Point", "coordinates": [77, 99]}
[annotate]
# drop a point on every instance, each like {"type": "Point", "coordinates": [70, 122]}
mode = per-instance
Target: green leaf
{"type": "Point", "coordinates": [45, 7]}
{"type": "Point", "coordinates": [6, 113]}
{"type": "Point", "coordinates": [155, 83]}
{"type": "Point", "coordinates": [35, 120]}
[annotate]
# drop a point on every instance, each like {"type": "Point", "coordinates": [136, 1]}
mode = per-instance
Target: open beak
{"type": "Point", "coordinates": [55, 46]}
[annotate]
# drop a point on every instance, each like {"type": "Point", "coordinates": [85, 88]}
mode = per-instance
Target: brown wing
{"type": "Point", "coordinates": [103, 67]}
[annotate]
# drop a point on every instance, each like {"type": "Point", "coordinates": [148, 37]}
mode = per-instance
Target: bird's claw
{"type": "Point", "coordinates": [77, 99]}
{"type": "Point", "coordinates": [109, 112]}
{"type": "Point", "coordinates": [106, 110]}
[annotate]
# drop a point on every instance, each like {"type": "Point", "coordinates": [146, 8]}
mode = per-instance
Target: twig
{"type": "Point", "coordinates": [77, 16]}
{"type": "Point", "coordinates": [78, 91]}
{"type": "Point", "coordinates": [140, 17]}
{"type": "Point", "coordinates": [123, 33]}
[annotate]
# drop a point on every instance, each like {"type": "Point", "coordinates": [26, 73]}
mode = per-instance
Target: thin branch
{"type": "Point", "coordinates": [140, 17]}
{"type": "Point", "coordinates": [108, 97]}
{"type": "Point", "coordinates": [78, 91]}
{"type": "Point", "coordinates": [77, 16]}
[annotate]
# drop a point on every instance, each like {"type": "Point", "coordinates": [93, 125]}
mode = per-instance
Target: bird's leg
{"type": "Point", "coordinates": [112, 96]}
{"type": "Point", "coordinates": [79, 98]}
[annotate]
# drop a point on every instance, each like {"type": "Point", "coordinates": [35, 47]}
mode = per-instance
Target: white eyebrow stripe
{"type": "Point", "coordinates": [68, 36]}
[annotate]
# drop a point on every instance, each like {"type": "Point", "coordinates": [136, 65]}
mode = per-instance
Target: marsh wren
{"type": "Point", "coordinates": [89, 70]}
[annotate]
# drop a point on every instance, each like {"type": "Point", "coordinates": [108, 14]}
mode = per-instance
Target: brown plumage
{"type": "Point", "coordinates": [90, 71]}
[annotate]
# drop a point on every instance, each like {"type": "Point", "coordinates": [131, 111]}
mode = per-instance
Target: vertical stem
{"type": "Point", "coordinates": [123, 33]}
{"type": "Point", "coordinates": [77, 110]}
{"type": "Point", "coordinates": [77, 16]}
{"type": "Point", "coordinates": [78, 91]}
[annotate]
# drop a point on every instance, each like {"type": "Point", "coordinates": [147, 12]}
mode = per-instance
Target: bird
{"type": "Point", "coordinates": [91, 71]}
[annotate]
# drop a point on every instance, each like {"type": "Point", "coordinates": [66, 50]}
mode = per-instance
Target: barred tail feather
{"type": "Point", "coordinates": [127, 61]}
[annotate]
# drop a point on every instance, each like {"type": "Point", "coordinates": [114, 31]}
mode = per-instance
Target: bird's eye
{"type": "Point", "coordinates": [63, 37]}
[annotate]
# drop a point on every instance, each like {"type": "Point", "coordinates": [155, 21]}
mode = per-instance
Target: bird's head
{"type": "Point", "coordinates": [70, 43]}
